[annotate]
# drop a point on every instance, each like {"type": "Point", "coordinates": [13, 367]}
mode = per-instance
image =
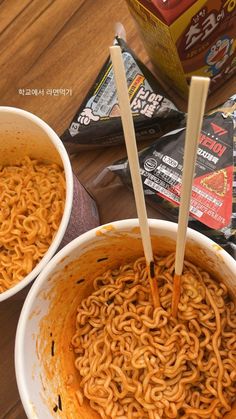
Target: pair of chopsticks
{"type": "Point", "coordinates": [196, 106]}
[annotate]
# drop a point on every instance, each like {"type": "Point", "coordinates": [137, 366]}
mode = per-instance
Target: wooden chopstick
{"type": "Point", "coordinates": [132, 152]}
{"type": "Point", "coordinates": [196, 106]}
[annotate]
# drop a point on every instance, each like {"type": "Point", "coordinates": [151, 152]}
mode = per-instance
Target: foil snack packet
{"type": "Point", "coordinates": [97, 122]}
{"type": "Point", "coordinates": [213, 203]}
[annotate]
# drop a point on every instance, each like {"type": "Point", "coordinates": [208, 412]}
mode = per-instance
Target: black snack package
{"type": "Point", "coordinates": [213, 203]}
{"type": "Point", "coordinates": [97, 122]}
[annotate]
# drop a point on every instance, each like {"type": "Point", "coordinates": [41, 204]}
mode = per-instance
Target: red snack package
{"type": "Point", "coordinates": [188, 37]}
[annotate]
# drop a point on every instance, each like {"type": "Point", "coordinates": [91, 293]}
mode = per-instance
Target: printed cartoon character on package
{"type": "Point", "coordinates": [187, 37]}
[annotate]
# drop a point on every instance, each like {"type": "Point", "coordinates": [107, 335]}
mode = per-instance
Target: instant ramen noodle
{"type": "Point", "coordinates": [137, 361]}
{"type": "Point", "coordinates": [32, 204]}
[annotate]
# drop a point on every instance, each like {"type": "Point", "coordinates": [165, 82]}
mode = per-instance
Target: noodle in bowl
{"type": "Point", "coordinates": [27, 141]}
{"type": "Point", "coordinates": [63, 356]}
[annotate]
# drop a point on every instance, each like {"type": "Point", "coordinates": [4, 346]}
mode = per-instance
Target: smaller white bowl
{"type": "Point", "coordinates": [23, 133]}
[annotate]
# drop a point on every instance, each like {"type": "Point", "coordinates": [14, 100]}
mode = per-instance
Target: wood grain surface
{"type": "Point", "coordinates": [62, 44]}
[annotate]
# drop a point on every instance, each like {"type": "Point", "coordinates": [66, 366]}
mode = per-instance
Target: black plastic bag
{"type": "Point", "coordinates": [213, 203]}
{"type": "Point", "coordinates": [97, 122]}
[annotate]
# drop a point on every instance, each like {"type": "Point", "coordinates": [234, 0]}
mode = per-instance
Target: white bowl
{"type": "Point", "coordinates": [43, 356]}
{"type": "Point", "coordinates": [22, 133]}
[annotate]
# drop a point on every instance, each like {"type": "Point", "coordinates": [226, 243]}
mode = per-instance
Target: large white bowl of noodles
{"type": "Point", "coordinates": [134, 361]}
{"type": "Point", "coordinates": [28, 144]}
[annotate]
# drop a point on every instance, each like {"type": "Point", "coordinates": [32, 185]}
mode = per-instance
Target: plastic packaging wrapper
{"type": "Point", "coordinates": [97, 122]}
{"type": "Point", "coordinates": [213, 203]}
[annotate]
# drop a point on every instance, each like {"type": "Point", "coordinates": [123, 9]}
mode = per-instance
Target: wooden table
{"type": "Point", "coordinates": [62, 44]}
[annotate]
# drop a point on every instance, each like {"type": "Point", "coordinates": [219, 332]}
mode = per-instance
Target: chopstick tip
{"type": "Point", "coordinates": [152, 269]}
{"type": "Point", "coordinates": [203, 81]}
{"type": "Point", "coordinates": [114, 47]}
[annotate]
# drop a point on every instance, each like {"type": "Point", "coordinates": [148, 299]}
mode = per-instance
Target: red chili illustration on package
{"type": "Point", "coordinates": [211, 201]}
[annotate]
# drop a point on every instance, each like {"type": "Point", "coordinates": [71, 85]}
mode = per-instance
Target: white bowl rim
{"type": "Point", "coordinates": [125, 225]}
{"type": "Point", "coordinates": [68, 201]}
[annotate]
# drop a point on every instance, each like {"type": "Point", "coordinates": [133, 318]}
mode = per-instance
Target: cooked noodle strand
{"type": "Point", "coordinates": [32, 203]}
{"type": "Point", "coordinates": [137, 361]}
